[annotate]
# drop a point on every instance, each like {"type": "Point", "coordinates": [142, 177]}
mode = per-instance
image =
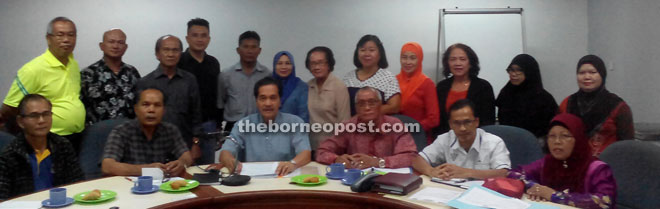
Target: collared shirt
{"type": "Point", "coordinates": [328, 104]}
{"type": "Point", "coordinates": [107, 95]}
{"type": "Point", "coordinates": [382, 80]}
{"type": "Point", "coordinates": [398, 149]}
{"type": "Point", "coordinates": [237, 96]}
{"type": "Point", "coordinates": [206, 73]}
{"type": "Point", "coordinates": [268, 146]}
{"type": "Point", "coordinates": [487, 152]}
{"type": "Point", "coordinates": [47, 76]}
{"type": "Point", "coordinates": [128, 144]}
{"type": "Point", "coordinates": [182, 106]}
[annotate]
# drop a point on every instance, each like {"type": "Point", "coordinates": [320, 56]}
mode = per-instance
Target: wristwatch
{"type": "Point", "coordinates": [195, 141]}
{"type": "Point", "coordinates": [381, 162]}
{"type": "Point", "coordinates": [293, 162]}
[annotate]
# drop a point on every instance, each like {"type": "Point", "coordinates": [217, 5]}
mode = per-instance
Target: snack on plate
{"type": "Point", "coordinates": [93, 195]}
{"type": "Point", "coordinates": [312, 179]}
{"type": "Point", "coordinates": [178, 184]}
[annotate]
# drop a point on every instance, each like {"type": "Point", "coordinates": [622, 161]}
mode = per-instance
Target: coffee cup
{"type": "Point", "coordinates": [353, 175]}
{"type": "Point", "coordinates": [144, 183]}
{"type": "Point", "coordinates": [335, 169]}
{"type": "Point", "coordinates": [57, 196]}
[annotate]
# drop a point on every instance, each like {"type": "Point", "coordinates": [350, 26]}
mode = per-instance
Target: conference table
{"type": "Point", "coordinates": [259, 192]}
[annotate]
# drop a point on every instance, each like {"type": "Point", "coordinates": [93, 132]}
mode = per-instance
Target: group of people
{"type": "Point", "coordinates": [187, 96]}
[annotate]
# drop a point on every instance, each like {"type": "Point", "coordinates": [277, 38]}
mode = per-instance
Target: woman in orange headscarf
{"type": "Point", "coordinates": [418, 96]}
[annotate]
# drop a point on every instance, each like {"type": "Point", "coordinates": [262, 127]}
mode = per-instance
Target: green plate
{"type": "Point", "coordinates": [299, 179]}
{"type": "Point", "coordinates": [105, 195]}
{"type": "Point", "coordinates": [168, 188]}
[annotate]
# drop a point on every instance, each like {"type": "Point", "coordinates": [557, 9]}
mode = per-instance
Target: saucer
{"type": "Point", "coordinates": [344, 182]}
{"type": "Point", "coordinates": [330, 176]}
{"type": "Point", "coordinates": [153, 189]}
{"type": "Point", "coordinates": [46, 203]}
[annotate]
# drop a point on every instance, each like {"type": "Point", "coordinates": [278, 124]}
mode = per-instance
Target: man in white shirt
{"type": "Point", "coordinates": [465, 151]}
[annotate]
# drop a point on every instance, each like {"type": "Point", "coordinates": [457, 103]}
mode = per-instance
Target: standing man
{"type": "Point", "coordinates": [108, 85]}
{"type": "Point", "coordinates": [180, 87]}
{"type": "Point", "coordinates": [56, 76]}
{"type": "Point", "coordinates": [206, 69]}
{"type": "Point", "coordinates": [238, 81]}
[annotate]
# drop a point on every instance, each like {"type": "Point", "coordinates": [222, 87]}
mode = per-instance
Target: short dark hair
{"type": "Point", "coordinates": [49, 28]}
{"type": "Point", "coordinates": [249, 35]}
{"type": "Point", "coordinates": [139, 94]}
{"type": "Point", "coordinates": [29, 98]}
{"type": "Point", "coordinates": [472, 57]}
{"type": "Point", "coordinates": [382, 63]}
{"type": "Point", "coordinates": [329, 56]}
{"type": "Point", "coordinates": [160, 40]}
{"type": "Point", "coordinates": [267, 81]}
{"type": "Point", "coordinates": [460, 104]}
{"type": "Point", "coordinates": [199, 22]}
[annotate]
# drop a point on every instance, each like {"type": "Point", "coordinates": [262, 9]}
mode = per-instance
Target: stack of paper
{"type": "Point", "coordinates": [436, 195]}
{"type": "Point", "coordinates": [263, 170]}
{"type": "Point", "coordinates": [481, 197]}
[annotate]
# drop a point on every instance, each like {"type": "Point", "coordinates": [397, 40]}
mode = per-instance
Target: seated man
{"type": "Point", "coordinates": [146, 142]}
{"type": "Point", "coordinates": [465, 151]}
{"type": "Point", "coordinates": [374, 147]}
{"type": "Point", "coordinates": [36, 159]}
{"type": "Point", "coordinates": [290, 148]}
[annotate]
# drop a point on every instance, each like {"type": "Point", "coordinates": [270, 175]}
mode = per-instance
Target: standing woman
{"type": "Point", "coordinates": [370, 60]}
{"type": "Point", "coordinates": [606, 116]}
{"type": "Point", "coordinates": [568, 175]}
{"type": "Point", "coordinates": [294, 90]}
{"type": "Point", "coordinates": [523, 102]}
{"type": "Point", "coordinates": [460, 67]}
{"type": "Point", "coordinates": [418, 96]}
{"type": "Point", "coordinates": [328, 100]}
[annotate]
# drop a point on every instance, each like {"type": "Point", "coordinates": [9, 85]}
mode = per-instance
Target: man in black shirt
{"type": "Point", "coordinates": [206, 69]}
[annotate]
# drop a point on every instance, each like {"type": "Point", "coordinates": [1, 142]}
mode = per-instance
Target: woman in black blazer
{"type": "Point", "coordinates": [460, 67]}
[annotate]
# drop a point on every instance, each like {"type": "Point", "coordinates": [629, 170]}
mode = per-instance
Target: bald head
{"type": "Point", "coordinates": [114, 44]}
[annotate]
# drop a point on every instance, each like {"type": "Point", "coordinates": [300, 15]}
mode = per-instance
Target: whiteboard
{"type": "Point", "coordinates": [495, 37]}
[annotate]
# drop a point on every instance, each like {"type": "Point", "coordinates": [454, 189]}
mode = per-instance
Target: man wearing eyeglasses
{"type": "Point", "coordinates": [465, 151]}
{"type": "Point", "coordinates": [36, 159]}
{"type": "Point", "coordinates": [374, 146]}
{"type": "Point", "coordinates": [55, 75]}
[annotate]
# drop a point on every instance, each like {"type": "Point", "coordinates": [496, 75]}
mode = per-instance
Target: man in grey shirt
{"type": "Point", "coordinates": [180, 87]}
{"type": "Point", "coordinates": [237, 82]}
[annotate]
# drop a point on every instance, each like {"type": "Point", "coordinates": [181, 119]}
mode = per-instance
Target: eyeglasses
{"type": "Point", "coordinates": [36, 115]}
{"type": "Point", "coordinates": [514, 70]}
{"type": "Point", "coordinates": [321, 63]}
{"type": "Point", "coordinates": [459, 123]}
{"type": "Point", "coordinates": [561, 138]}
{"type": "Point", "coordinates": [370, 103]}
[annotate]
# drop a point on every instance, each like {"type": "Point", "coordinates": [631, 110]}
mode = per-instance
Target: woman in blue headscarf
{"type": "Point", "coordinates": [294, 91]}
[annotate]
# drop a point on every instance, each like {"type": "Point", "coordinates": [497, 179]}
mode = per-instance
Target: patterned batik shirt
{"type": "Point", "coordinates": [107, 95]}
{"type": "Point", "coordinates": [128, 144]}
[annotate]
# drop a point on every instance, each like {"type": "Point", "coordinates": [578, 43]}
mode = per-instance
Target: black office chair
{"type": "Point", "coordinates": [522, 144]}
{"type": "Point", "coordinates": [5, 139]}
{"type": "Point", "coordinates": [636, 166]}
{"type": "Point", "coordinates": [91, 149]}
{"type": "Point", "coordinates": [419, 136]}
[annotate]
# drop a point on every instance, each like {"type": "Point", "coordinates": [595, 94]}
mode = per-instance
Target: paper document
{"type": "Point", "coordinates": [21, 204]}
{"type": "Point", "coordinates": [481, 197]}
{"type": "Point", "coordinates": [264, 170]}
{"type": "Point", "coordinates": [389, 170]}
{"type": "Point", "coordinates": [436, 195]}
{"type": "Point", "coordinates": [461, 183]}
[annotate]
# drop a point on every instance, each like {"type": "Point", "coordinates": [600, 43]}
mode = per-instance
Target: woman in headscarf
{"type": "Point", "coordinates": [569, 175]}
{"type": "Point", "coordinates": [460, 66]}
{"type": "Point", "coordinates": [523, 102]}
{"type": "Point", "coordinates": [294, 91]}
{"type": "Point", "coordinates": [606, 116]}
{"type": "Point", "coordinates": [418, 97]}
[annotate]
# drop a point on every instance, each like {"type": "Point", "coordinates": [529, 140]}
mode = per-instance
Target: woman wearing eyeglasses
{"type": "Point", "coordinates": [606, 116]}
{"type": "Point", "coordinates": [523, 102]}
{"type": "Point", "coordinates": [569, 175]}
